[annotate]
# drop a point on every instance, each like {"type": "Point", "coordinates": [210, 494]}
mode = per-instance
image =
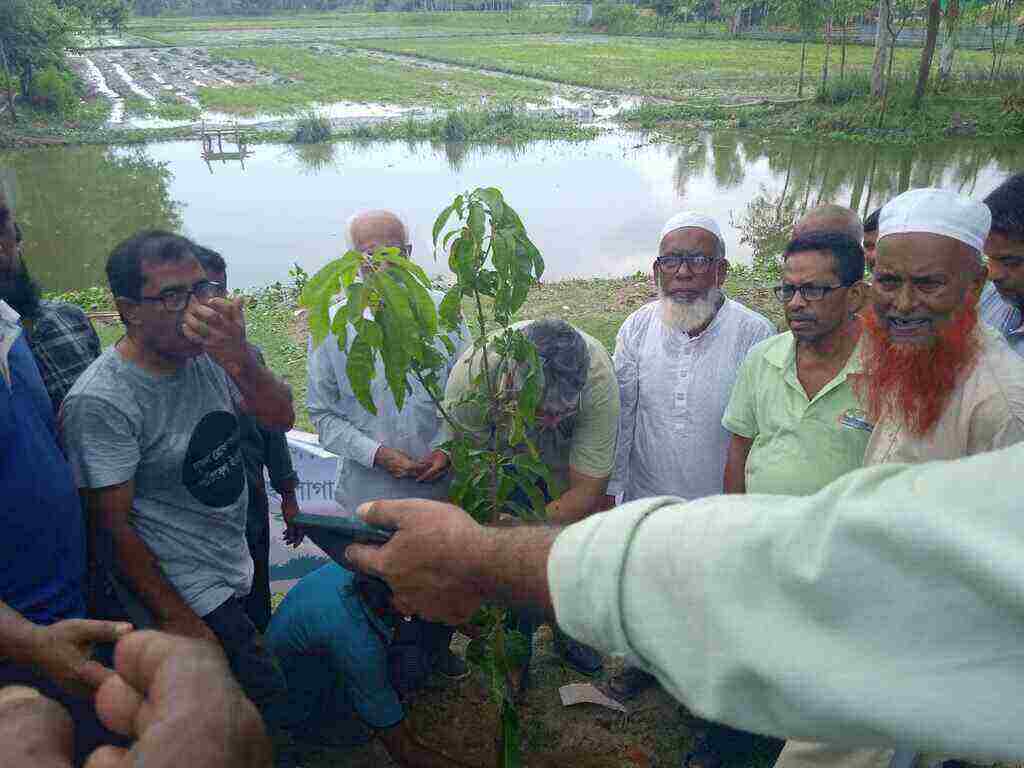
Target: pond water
{"type": "Point", "coordinates": [594, 208]}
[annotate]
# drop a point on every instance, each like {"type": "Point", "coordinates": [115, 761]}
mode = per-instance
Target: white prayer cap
{"type": "Point", "coordinates": [939, 212]}
{"type": "Point", "coordinates": [686, 219]}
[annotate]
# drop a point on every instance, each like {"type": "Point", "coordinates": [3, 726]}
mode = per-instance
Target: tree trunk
{"type": "Point", "coordinates": [928, 53]}
{"type": "Point", "coordinates": [828, 51]}
{"type": "Point", "coordinates": [882, 44]}
{"type": "Point", "coordinates": [951, 40]}
{"type": "Point", "coordinates": [9, 85]}
{"type": "Point", "coordinates": [842, 57]}
{"type": "Point", "coordinates": [803, 56]}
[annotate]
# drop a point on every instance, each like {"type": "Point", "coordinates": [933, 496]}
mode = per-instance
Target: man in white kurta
{"type": "Point", "coordinates": [676, 371]}
{"type": "Point", "coordinates": [379, 456]}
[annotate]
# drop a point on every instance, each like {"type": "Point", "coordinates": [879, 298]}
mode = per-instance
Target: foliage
{"type": "Point", "coordinates": [390, 315]}
{"type": "Point", "coordinates": [34, 34]}
{"type": "Point", "coordinates": [614, 18]}
{"type": "Point", "coordinates": [454, 127]}
{"type": "Point", "coordinates": [857, 86]}
{"type": "Point", "coordinates": [95, 299]}
{"type": "Point", "coordinates": [53, 90]}
{"type": "Point", "coordinates": [312, 128]}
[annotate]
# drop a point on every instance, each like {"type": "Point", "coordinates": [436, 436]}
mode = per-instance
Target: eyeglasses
{"type": "Point", "coordinates": [698, 265]}
{"type": "Point", "coordinates": [403, 250]}
{"type": "Point", "coordinates": [785, 292]}
{"type": "Point", "coordinates": [176, 300]}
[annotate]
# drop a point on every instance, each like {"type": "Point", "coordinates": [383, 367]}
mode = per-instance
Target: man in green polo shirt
{"type": "Point", "coordinates": [796, 424]}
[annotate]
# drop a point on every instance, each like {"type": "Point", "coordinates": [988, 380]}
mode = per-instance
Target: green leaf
{"type": "Point", "coordinates": [463, 260]}
{"type": "Point", "coordinates": [396, 305]}
{"type": "Point", "coordinates": [355, 304]}
{"type": "Point", "coordinates": [492, 196]}
{"type": "Point", "coordinates": [370, 331]}
{"type": "Point", "coordinates": [398, 260]}
{"type": "Point", "coordinates": [441, 221]}
{"type": "Point", "coordinates": [360, 371]}
{"type": "Point", "coordinates": [450, 309]}
{"type": "Point", "coordinates": [339, 327]}
{"type": "Point", "coordinates": [422, 304]}
{"type": "Point", "coordinates": [317, 295]}
{"type": "Point", "coordinates": [477, 222]}
{"type": "Point", "coordinates": [448, 343]}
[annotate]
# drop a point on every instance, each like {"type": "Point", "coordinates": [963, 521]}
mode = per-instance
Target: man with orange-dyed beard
{"type": "Point", "coordinates": [936, 383]}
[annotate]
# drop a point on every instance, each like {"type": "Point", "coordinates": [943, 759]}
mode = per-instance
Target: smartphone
{"type": "Point", "coordinates": [333, 534]}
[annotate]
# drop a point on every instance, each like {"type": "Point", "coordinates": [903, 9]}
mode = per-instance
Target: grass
{"type": "Point", "coordinates": [501, 125]}
{"type": "Point", "coordinates": [853, 115]}
{"type": "Point", "coordinates": [355, 76]}
{"type": "Point", "coordinates": [542, 19]}
{"type": "Point", "coordinates": [674, 69]}
{"type": "Point", "coordinates": [166, 107]}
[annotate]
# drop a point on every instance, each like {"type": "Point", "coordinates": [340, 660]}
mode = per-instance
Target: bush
{"type": "Point", "coordinates": [455, 128]}
{"type": "Point", "coordinates": [54, 91]}
{"type": "Point", "coordinates": [854, 86]}
{"type": "Point", "coordinates": [312, 128]}
{"type": "Point", "coordinates": [614, 17]}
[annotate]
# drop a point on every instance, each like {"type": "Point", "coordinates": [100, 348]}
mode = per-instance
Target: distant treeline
{"type": "Point", "coordinates": [256, 7]}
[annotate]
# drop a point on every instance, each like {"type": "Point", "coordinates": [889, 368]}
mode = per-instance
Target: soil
{"type": "Point", "coordinates": [458, 719]}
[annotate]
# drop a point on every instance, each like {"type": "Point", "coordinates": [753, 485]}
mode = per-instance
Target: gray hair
{"type": "Point", "coordinates": [565, 359]}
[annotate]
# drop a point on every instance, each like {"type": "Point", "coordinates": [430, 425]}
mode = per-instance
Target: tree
{"type": "Point", "coordinates": [950, 40]}
{"type": "Point", "coordinates": [807, 15]}
{"type": "Point", "coordinates": [493, 261]}
{"type": "Point", "coordinates": [35, 34]}
{"type": "Point", "coordinates": [883, 44]}
{"type": "Point", "coordinates": [928, 52]}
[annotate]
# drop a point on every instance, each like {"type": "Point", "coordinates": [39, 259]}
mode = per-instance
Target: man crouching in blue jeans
{"type": "Point", "coordinates": [151, 430]}
{"type": "Point", "coordinates": [348, 659]}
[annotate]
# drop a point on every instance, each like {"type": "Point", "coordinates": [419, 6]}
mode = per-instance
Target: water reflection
{"type": "Point", "coordinates": [75, 203]}
{"type": "Point", "coordinates": [594, 208]}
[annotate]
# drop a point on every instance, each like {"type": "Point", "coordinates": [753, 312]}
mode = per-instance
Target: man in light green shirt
{"type": "Point", "coordinates": [887, 609]}
{"type": "Point", "coordinates": [796, 424]}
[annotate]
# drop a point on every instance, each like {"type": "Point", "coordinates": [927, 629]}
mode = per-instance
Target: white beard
{"type": "Point", "coordinates": [689, 316]}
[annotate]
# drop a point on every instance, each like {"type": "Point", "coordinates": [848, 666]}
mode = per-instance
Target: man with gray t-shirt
{"type": "Point", "coordinates": [151, 431]}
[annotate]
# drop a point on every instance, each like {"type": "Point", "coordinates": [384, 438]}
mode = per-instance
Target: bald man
{"type": "Point", "coordinates": [394, 454]}
{"type": "Point", "coordinates": [830, 218]}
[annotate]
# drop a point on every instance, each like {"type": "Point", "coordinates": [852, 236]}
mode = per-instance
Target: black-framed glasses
{"type": "Point", "coordinates": [698, 265]}
{"type": "Point", "coordinates": [177, 299]}
{"type": "Point", "coordinates": [810, 292]}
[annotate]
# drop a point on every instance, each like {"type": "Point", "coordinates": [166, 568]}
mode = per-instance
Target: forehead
{"type": "Point", "coordinates": [688, 239]}
{"type": "Point", "coordinates": [920, 253]}
{"type": "Point", "coordinates": [998, 244]}
{"type": "Point", "coordinates": [378, 231]}
{"type": "Point", "coordinates": [158, 276]}
{"type": "Point", "coordinates": [809, 267]}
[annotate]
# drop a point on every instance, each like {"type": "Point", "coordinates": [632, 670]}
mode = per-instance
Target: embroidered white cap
{"type": "Point", "coordinates": [686, 219]}
{"type": "Point", "coordinates": [939, 212]}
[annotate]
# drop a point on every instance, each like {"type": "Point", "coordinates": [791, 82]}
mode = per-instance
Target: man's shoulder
{"type": "Point", "coordinates": [59, 316]}
{"type": "Point", "coordinates": [747, 319]}
{"type": "Point", "coordinates": [103, 378]}
{"type": "Point", "coordinates": [999, 369]}
{"type": "Point", "coordinates": [775, 350]}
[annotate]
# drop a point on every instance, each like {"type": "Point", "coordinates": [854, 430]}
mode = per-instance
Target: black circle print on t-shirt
{"type": "Point", "coordinates": [212, 470]}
